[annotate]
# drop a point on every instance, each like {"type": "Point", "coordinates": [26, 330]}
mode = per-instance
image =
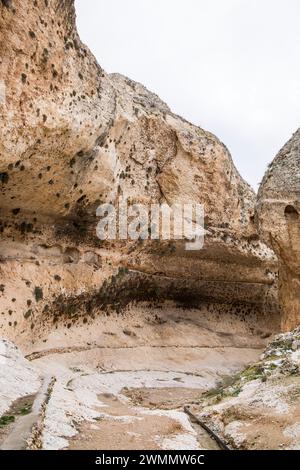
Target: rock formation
{"type": "Point", "coordinates": [145, 319]}
{"type": "Point", "coordinates": [278, 211]}
{"type": "Point", "coordinates": [71, 137]}
{"type": "Point", "coordinates": [17, 376]}
{"type": "Point", "coordinates": [259, 408]}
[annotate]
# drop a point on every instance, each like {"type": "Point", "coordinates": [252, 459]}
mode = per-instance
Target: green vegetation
{"type": "Point", "coordinates": [252, 373]}
{"type": "Point", "coordinates": [4, 178]}
{"type": "Point", "coordinates": [6, 419]}
{"type": "Point", "coordinates": [25, 410]}
{"type": "Point", "coordinates": [233, 386]}
{"type": "Point", "coordinates": [38, 294]}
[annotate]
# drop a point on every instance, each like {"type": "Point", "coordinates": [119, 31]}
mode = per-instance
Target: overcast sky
{"type": "Point", "coordinates": [229, 66]}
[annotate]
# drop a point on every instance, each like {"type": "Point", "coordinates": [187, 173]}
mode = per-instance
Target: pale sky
{"type": "Point", "coordinates": [229, 66]}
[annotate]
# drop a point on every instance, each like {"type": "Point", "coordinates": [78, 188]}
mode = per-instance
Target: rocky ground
{"type": "Point", "coordinates": [129, 389]}
{"type": "Point", "coordinates": [132, 393]}
{"type": "Point", "coordinates": [260, 407]}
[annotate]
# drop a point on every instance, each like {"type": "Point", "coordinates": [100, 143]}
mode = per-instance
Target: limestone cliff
{"type": "Point", "coordinates": [72, 136]}
{"type": "Point", "coordinates": [278, 217]}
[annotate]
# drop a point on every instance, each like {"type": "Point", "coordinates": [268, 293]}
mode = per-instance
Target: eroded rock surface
{"type": "Point", "coordinates": [71, 137]}
{"type": "Point", "coordinates": [18, 378]}
{"type": "Point", "coordinates": [259, 409]}
{"type": "Point", "coordinates": [121, 325]}
{"type": "Point", "coordinates": [278, 216]}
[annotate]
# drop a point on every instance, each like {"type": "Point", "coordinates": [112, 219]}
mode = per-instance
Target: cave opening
{"type": "Point", "coordinates": [291, 213]}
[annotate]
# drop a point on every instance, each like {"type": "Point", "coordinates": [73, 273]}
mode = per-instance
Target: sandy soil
{"type": "Point", "coordinates": [128, 427]}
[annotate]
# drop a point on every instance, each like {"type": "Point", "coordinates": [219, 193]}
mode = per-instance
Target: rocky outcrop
{"type": "Point", "coordinates": [58, 106]}
{"type": "Point", "coordinates": [17, 377]}
{"type": "Point", "coordinates": [279, 223]}
{"type": "Point", "coordinates": [71, 137]}
{"type": "Point", "coordinates": [259, 407]}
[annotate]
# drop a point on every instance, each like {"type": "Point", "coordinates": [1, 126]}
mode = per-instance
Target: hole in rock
{"type": "Point", "coordinates": [291, 213]}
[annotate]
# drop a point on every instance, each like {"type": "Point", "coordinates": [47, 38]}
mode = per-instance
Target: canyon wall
{"type": "Point", "coordinates": [72, 137]}
{"type": "Point", "coordinates": [278, 210]}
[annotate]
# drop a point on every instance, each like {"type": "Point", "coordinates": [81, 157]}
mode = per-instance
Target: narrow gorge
{"type": "Point", "coordinates": [116, 337]}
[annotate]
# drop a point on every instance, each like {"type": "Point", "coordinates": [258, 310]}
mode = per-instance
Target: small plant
{"type": "Point", "coordinates": [6, 419]}
{"type": "Point", "coordinates": [27, 314]}
{"type": "Point", "coordinates": [4, 178]}
{"type": "Point", "coordinates": [252, 373]}
{"type": "Point", "coordinates": [235, 392]}
{"type": "Point", "coordinates": [25, 410]}
{"type": "Point", "coordinates": [38, 294]}
{"type": "Point", "coordinates": [122, 271]}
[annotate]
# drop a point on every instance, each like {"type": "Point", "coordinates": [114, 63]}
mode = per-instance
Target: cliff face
{"type": "Point", "coordinates": [278, 216]}
{"type": "Point", "coordinates": [71, 137]}
{"type": "Point", "coordinates": [58, 102]}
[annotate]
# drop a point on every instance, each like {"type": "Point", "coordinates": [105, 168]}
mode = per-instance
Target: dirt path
{"type": "Point", "coordinates": [24, 413]}
{"type": "Point", "coordinates": [10, 420]}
